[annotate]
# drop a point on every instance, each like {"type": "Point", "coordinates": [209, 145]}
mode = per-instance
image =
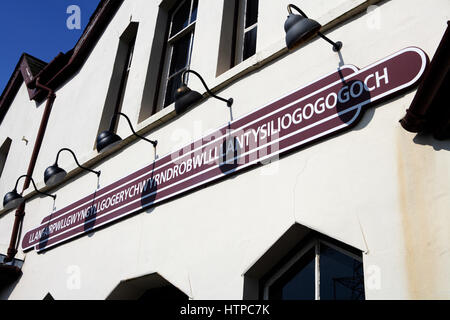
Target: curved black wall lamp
{"type": "Point", "coordinates": [299, 29]}
{"type": "Point", "coordinates": [54, 174]}
{"type": "Point", "coordinates": [185, 97]}
{"type": "Point", "coordinates": [12, 199]}
{"type": "Point", "coordinates": [108, 139]}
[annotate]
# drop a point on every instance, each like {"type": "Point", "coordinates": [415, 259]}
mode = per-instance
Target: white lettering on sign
{"type": "Point", "coordinates": [212, 156]}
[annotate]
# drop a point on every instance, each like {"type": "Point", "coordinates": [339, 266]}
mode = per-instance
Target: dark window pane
{"type": "Point", "coordinates": [124, 79]}
{"type": "Point", "coordinates": [341, 276]}
{"type": "Point", "coordinates": [173, 84]}
{"type": "Point", "coordinates": [180, 54]}
{"type": "Point", "coordinates": [180, 19]}
{"type": "Point", "coordinates": [251, 15]}
{"type": "Point", "coordinates": [194, 11]}
{"type": "Point", "coordinates": [250, 43]}
{"type": "Point", "coordinates": [298, 283]}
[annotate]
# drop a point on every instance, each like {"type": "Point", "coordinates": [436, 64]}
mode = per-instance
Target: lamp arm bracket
{"type": "Point", "coordinates": [229, 102]}
{"type": "Point", "coordinates": [76, 161]}
{"type": "Point", "coordinates": [18, 179]}
{"type": "Point", "coordinates": [153, 142]}
{"type": "Point", "coordinates": [45, 194]}
{"type": "Point", "coordinates": [290, 6]}
{"type": "Point", "coordinates": [34, 185]}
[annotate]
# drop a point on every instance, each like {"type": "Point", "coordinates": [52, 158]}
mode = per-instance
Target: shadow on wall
{"type": "Point", "coordinates": [425, 139]}
{"type": "Point", "coordinates": [367, 112]}
{"type": "Point", "coordinates": [7, 289]}
{"type": "Point", "coordinates": [151, 190]}
{"type": "Point", "coordinates": [343, 107]}
{"type": "Point", "coordinates": [229, 160]}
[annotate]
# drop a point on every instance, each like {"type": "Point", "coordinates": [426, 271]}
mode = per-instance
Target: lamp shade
{"type": "Point", "coordinates": [54, 175]}
{"type": "Point", "coordinates": [299, 29]}
{"type": "Point", "coordinates": [185, 97]}
{"type": "Point", "coordinates": [12, 200]}
{"type": "Point", "coordinates": [106, 140]}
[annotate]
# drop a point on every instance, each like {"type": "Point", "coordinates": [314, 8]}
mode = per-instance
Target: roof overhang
{"type": "Point", "coordinates": [9, 274]}
{"type": "Point", "coordinates": [430, 110]}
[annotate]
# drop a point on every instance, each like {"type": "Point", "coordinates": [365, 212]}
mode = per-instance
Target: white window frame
{"type": "Point", "coordinates": [190, 28]}
{"type": "Point", "coordinates": [130, 58]}
{"type": "Point", "coordinates": [241, 31]}
{"type": "Point", "coordinates": [313, 243]}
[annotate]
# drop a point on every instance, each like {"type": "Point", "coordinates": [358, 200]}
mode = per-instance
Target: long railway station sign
{"type": "Point", "coordinates": [322, 108]}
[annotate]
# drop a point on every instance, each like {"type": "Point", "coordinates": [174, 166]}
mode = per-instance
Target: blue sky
{"type": "Point", "coordinates": [39, 28]}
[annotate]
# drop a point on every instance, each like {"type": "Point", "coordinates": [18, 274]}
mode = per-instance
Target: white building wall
{"type": "Point", "coordinates": [377, 187]}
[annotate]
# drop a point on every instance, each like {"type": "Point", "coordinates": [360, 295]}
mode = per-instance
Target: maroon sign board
{"type": "Point", "coordinates": [326, 106]}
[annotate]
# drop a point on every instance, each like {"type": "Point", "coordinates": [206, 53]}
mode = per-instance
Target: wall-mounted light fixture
{"type": "Point", "coordinates": [108, 139]}
{"type": "Point", "coordinates": [299, 29]}
{"type": "Point", "coordinates": [54, 174]}
{"type": "Point", "coordinates": [185, 97]}
{"type": "Point", "coordinates": [12, 199]}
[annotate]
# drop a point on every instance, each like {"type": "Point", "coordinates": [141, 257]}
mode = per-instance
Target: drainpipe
{"type": "Point", "coordinates": [20, 212]}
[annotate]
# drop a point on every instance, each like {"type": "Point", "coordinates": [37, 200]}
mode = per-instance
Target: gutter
{"type": "Point", "coordinates": [429, 110]}
{"type": "Point", "coordinates": [58, 63]}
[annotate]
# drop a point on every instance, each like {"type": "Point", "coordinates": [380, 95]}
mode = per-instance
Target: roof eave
{"type": "Point", "coordinates": [427, 113]}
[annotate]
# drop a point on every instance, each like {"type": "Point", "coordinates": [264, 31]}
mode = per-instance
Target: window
{"type": "Point", "coordinates": [119, 78]}
{"type": "Point", "coordinates": [4, 150]}
{"type": "Point", "coordinates": [246, 30]}
{"type": "Point", "coordinates": [180, 38]}
{"type": "Point", "coordinates": [319, 270]}
{"type": "Point", "coordinates": [238, 36]}
{"type": "Point", "coordinates": [125, 74]}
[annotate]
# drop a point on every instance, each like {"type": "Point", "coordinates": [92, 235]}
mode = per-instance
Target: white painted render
{"type": "Point", "coordinates": [377, 187]}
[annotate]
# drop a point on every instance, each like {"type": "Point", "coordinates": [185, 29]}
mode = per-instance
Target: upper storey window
{"type": "Point", "coordinates": [178, 48]}
{"type": "Point", "coordinates": [239, 33]}
{"type": "Point", "coordinates": [119, 79]}
{"type": "Point", "coordinates": [247, 28]}
{"type": "Point", "coordinates": [4, 150]}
